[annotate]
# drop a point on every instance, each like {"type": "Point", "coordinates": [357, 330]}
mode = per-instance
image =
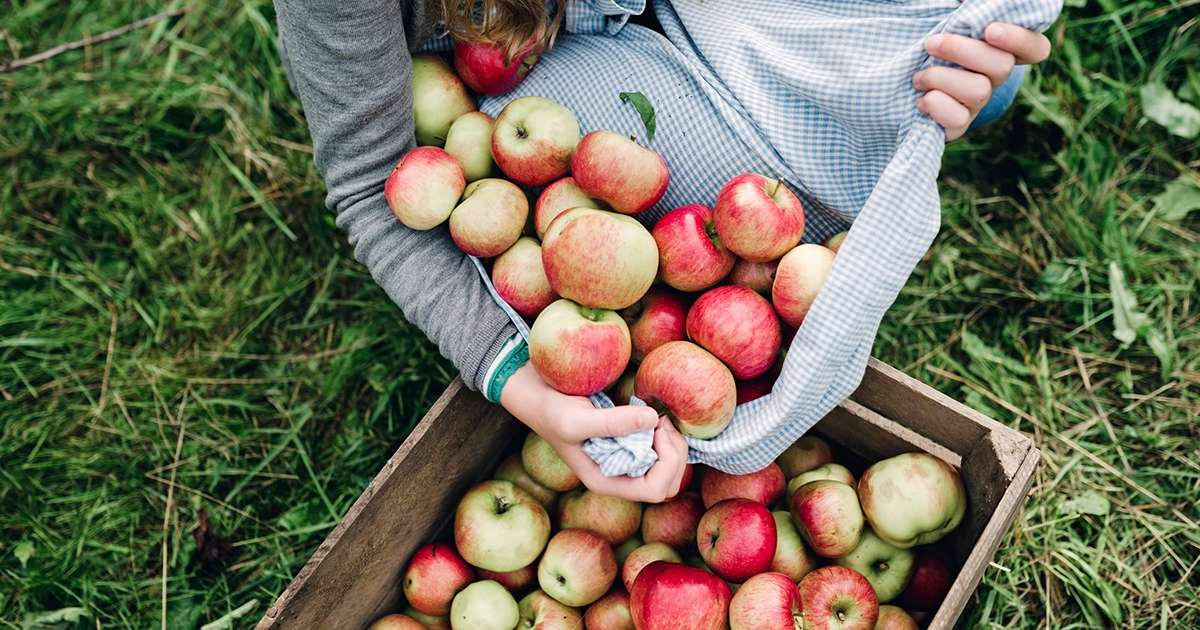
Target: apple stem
{"type": "Point", "coordinates": [502, 505]}
{"type": "Point", "coordinates": [778, 183]}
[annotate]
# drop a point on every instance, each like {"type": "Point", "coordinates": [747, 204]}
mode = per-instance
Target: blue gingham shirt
{"type": "Point", "coordinates": [818, 92]}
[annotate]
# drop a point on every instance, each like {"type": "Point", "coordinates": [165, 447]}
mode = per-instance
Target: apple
{"type": "Point", "coordinates": [895, 618]}
{"type": "Point", "coordinates": [396, 622]}
{"type": "Point", "coordinates": [516, 582]}
{"type": "Point", "coordinates": [828, 517]}
{"type": "Point", "coordinates": [836, 472]}
{"type": "Point", "coordinates": [671, 596]}
{"type": "Point", "coordinates": [932, 577]}
{"type": "Point", "coordinates": [758, 218]}
{"type": "Point", "coordinates": [489, 218]}
{"type": "Point", "coordinates": [500, 527]}
{"type": "Point", "coordinates": [429, 622]}
{"type": "Point", "coordinates": [754, 388]}
{"type": "Point", "coordinates": [484, 605]}
{"type": "Point", "coordinates": [684, 482]}
{"type": "Point", "coordinates": [803, 455]}
{"type": "Point", "coordinates": [489, 69]}
{"type": "Point", "coordinates": [835, 242]}
{"type": "Point", "coordinates": [689, 385]}
{"type": "Point", "coordinates": [614, 518]}
{"type": "Point", "coordinates": [766, 601]}
{"type": "Point", "coordinates": [434, 575]}
{"type": "Point", "coordinates": [644, 555]}
{"type": "Point", "coordinates": [610, 612]}
{"type": "Point", "coordinates": [791, 557]}
{"type": "Point", "coordinates": [539, 611]}
{"type": "Point", "coordinates": [764, 486]}
{"type": "Point", "coordinates": [439, 98]}
{"type": "Point", "coordinates": [737, 538]}
{"type": "Point", "coordinates": [798, 279]}
{"type": "Point", "coordinates": [424, 187]}
{"type": "Point", "coordinates": [578, 350]}
{"type": "Point", "coordinates": [469, 140]}
{"type": "Point", "coordinates": [739, 327]}
{"type": "Point", "coordinates": [545, 465]}
{"type": "Point", "coordinates": [617, 170]}
{"type": "Point", "coordinates": [757, 276]}
{"type": "Point", "coordinates": [691, 255]}
{"type": "Point", "coordinates": [534, 139]}
{"type": "Point", "coordinates": [520, 279]}
{"type": "Point", "coordinates": [912, 499]}
{"type": "Point", "coordinates": [621, 391]}
{"type": "Point", "coordinates": [578, 567]}
{"type": "Point", "coordinates": [837, 598]}
{"type": "Point", "coordinates": [887, 568]}
{"type": "Point", "coordinates": [660, 316]}
{"type": "Point", "coordinates": [674, 522]}
{"type": "Point", "coordinates": [599, 259]}
{"type": "Point", "coordinates": [511, 469]}
{"type": "Point", "coordinates": [557, 198]}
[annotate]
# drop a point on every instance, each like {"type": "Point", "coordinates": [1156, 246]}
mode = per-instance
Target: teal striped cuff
{"type": "Point", "coordinates": [512, 355]}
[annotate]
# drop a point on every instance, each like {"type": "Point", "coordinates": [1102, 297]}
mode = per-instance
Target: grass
{"type": "Point", "coordinates": [197, 379]}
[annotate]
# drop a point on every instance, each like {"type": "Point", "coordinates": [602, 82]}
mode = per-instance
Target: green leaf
{"type": "Point", "coordinates": [979, 350]}
{"type": "Point", "coordinates": [644, 108]}
{"type": "Point", "coordinates": [42, 619]}
{"type": "Point", "coordinates": [226, 622]}
{"type": "Point", "coordinates": [1161, 349]}
{"type": "Point", "coordinates": [1089, 502]}
{"type": "Point", "coordinates": [1180, 197]}
{"type": "Point", "coordinates": [23, 551]}
{"type": "Point", "coordinates": [1127, 319]}
{"type": "Point", "coordinates": [1056, 278]}
{"type": "Point", "coordinates": [1160, 105]}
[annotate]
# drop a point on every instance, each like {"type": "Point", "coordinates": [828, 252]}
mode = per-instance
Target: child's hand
{"type": "Point", "coordinates": [566, 422]}
{"type": "Point", "coordinates": [954, 96]}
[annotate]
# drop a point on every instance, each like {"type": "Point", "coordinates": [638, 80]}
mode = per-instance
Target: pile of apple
{"type": "Point", "coordinates": [800, 544]}
{"type": "Point", "coordinates": [693, 313]}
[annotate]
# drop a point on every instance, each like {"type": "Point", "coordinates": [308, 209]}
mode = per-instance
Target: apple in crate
{"type": "Point", "coordinates": [767, 601]}
{"type": "Point", "coordinates": [912, 499]}
{"type": "Point", "coordinates": [737, 539]}
{"type": "Point", "coordinates": [519, 581]}
{"type": "Point", "coordinates": [791, 557]}
{"type": "Point", "coordinates": [837, 598]}
{"type": "Point", "coordinates": [836, 472]}
{"type": "Point", "coordinates": [660, 316]}
{"type": "Point", "coordinates": [644, 555]}
{"type": "Point", "coordinates": [396, 622]}
{"type": "Point", "coordinates": [895, 618]}
{"type": "Point", "coordinates": [599, 259]}
{"type": "Point", "coordinates": [754, 388]}
{"type": "Point", "coordinates": [758, 218]}
{"type": "Point", "coordinates": [578, 350]}
{"type": "Point", "coordinates": [484, 605]}
{"type": "Point", "coordinates": [469, 140]}
{"type": "Point", "coordinates": [931, 580]}
{"type": "Point", "coordinates": [689, 385]}
{"type": "Point", "coordinates": [887, 568]}
{"type": "Point", "coordinates": [578, 567]}
{"type": "Point", "coordinates": [617, 170]}
{"type": "Point", "coordinates": [489, 218]}
{"type": "Point", "coordinates": [557, 198]}
{"type": "Point", "coordinates": [614, 518]}
{"type": "Point", "coordinates": [674, 522]}
{"type": "Point", "coordinates": [691, 255]}
{"type": "Point", "coordinates": [539, 611]}
{"type": "Point", "coordinates": [671, 596]}
{"type": "Point", "coordinates": [545, 465]}
{"type": "Point", "coordinates": [434, 575]}
{"type": "Point", "coordinates": [500, 527]}
{"type": "Point", "coordinates": [800, 276]}
{"type": "Point", "coordinates": [610, 612]}
{"type": "Point", "coordinates": [491, 70]}
{"type": "Point", "coordinates": [439, 98]}
{"type": "Point", "coordinates": [765, 486]}
{"type": "Point", "coordinates": [737, 325]}
{"type": "Point", "coordinates": [803, 455]}
{"type": "Point", "coordinates": [756, 276]}
{"type": "Point", "coordinates": [429, 622]}
{"type": "Point", "coordinates": [424, 187]}
{"type": "Point", "coordinates": [828, 517]}
{"type": "Point", "coordinates": [520, 279]}
{"type": "Point", "coordinates": [512, 470]}
{"type": "Point", "coordinates": [534, 139]}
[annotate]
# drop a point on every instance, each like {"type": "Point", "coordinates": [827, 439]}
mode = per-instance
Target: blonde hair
{"type": "Point", "coordinates": [509, 24]}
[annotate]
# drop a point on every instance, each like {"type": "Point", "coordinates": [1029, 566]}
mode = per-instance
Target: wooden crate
{"type": "Point", "coordinates": [355, 576]}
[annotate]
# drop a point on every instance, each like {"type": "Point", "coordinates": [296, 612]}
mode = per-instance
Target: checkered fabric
{"type": "Point", "coordinates": [818, 92]}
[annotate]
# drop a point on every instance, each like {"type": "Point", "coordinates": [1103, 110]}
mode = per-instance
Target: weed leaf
{"type": "Point", "coordinates": [1160, 105]}
{"type": "Point", "coordinates": [1180, 197]}
{"type": "Point", "coordinates": [979, 350]}
{"type": "Point", "coordinates": [1127, 319]}
{"type": "Point", "coordinates": [69, 615]}
{"type": "Point", "coordinates": [23, 551]}
{"type": "Point", "coordinates": [1089, 502]}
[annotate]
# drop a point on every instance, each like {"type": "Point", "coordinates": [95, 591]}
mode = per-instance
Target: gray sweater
{"type": "Point", "coordinates": [352, 67]}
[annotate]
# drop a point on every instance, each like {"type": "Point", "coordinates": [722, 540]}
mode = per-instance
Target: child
{"type": "Point", "coordinates": [352, 68]}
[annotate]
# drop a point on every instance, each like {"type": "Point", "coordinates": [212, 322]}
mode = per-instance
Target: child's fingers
{"type": "Point", "coordinates": [974, 55]}
{"type": "Point", "coordinates": [613, 422]}
{"type": "Point", "coordinates": [661, 481]}
{"type": "Point", "coordinates": [1026, 46]}
{"type": "Point", "coordinates": [971, 89]}
{"type": "Point", "coordinates": [947, 112]}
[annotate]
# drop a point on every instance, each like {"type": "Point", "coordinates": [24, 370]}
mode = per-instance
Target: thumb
{"type": "Point", "coordinates": [616, 421]}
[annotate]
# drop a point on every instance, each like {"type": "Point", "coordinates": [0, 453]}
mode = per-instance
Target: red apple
{"type": "Point", "coordinates": [644, 555]}
{"type": "Point", "coordinates": [737, 538]}
{"type": "Point", "coordinates": [610, 612]}
{"type": "Point", "coordinates": [598, 258]}
{"type": "Point", "coordinates": [932, 577]}
{"type": "Point", "coordinates": [674, 522]}
{"type": "Point", "coordinates": [887, 568]}
{"type": "Point", "coordinates": [614, 518]}
{"type": "Point", "coordinates": [469, 140]}
{"type": "Point", "coordinates": [689, 385]}
{"type": "Point", "coordinates": [691, 255]}
{"type": "Point", "coordinates": [539, 611]}
{"type": "Point", "coordinates": [500, 527]}
{"type": "Point", "coordinates": [397, 622]}
{"type": "Point", "coordinates": [517, 582]}
{"type": "Point", "coordinates": [578, 567]}
{"type": "Point", "coordinates": [618, 171]}
{"type": "Point", "coordinates": [739, 327]}
{"type": "Point", "coordinates": [767, 601]}
{"type": "Point", "coordinates": [434, 575]}
{"type": "Point", "coordinates": [836, 472]}
{"type": "Point", "coordinates": [758, 218]}
{"type": "Point", "coordinates": [803, 455]}
{"type": "Point", "coordinates": [835, 242]}
{"type": "Point", "coordinates": [578, 350]}
{"type": "Point", "coordinates": [534, 140]}
{"type": "Point", "coordinates": [660, 316]}
{"type": "Point", "coordinates": [791, 558]}
{"type": "Point", "coordinates": [489, 218]}
{"type": "Point", "coordinates": [757, 276]}
{"type": "Point", "coordinates": [837, 598]}
{"type": "Point", "coordinates": [912, 499]}
{"type": "Point", "coordinates": [895, 618]}
{"type": "Point", "coordinates": [428, 622]}
{"type": "Point", "coordinates": [439, 98]}
{"type": "Point", "coordinates": [557, 198]}
{"type": "Point", "coordinates": [489, 69]}
{"type": "Point", "coordinates": [670, 596]}
{"type": "Point", "coordinates": [754, 388]}
{"type": "Point", "coordinates": [764, 486]}
{"type": "Point", "coordinates": [484, 605]}
{"type": "Point", "coordinates": [424, 187]}
{"type": "Point", "coordinates": [520, 279]}
{"type": "Point", "coordinates": [800, 276]}
{"type": "Point", "coordinates": [828, 517]}
{"type": "Point", "coordinates": [545, 465]}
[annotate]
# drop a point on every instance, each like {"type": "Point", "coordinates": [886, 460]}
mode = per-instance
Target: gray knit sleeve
{"type": "Point", "coordinates": [353, 73]}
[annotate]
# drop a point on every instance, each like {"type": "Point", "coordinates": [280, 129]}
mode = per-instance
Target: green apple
{"type": "Point", "coordinates": [469, 140]}
{"type": "Point", "coordinates": [439, 98]}
{"type": "Point", "coordinates": [887, 568]}
{"type": "Point", "coordinates": [539, 611]}
{"type": "Point", "coordinates": [912, 499]}
{"type": "Point", "coordinates": [500, 527]}
{"type": "Point", "coordinates": [484, 605]}
{"type": "Point", "coordinates": [836, 472]}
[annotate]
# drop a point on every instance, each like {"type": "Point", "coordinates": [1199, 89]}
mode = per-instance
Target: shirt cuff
{"type": "Point", "coordinates": [601, 17]}
{"type": "Point", "coordinates": [513, 354]}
